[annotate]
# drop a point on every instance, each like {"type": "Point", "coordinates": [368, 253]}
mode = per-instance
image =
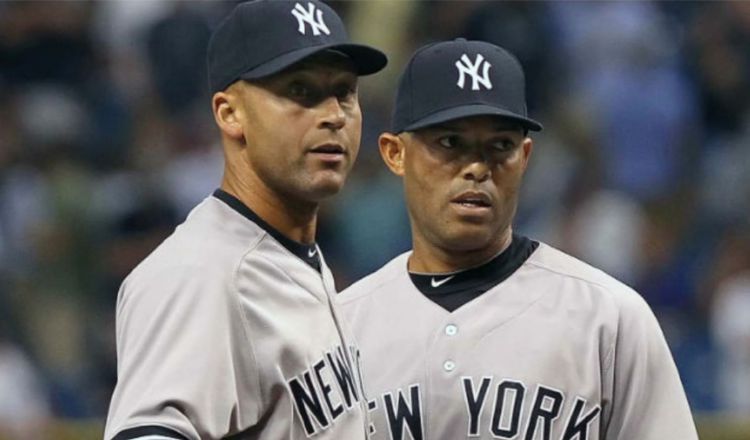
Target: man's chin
{"type": "Point", "coordinates": [322, 187]}
{"type": "Point", "coordinates": [471, 238]}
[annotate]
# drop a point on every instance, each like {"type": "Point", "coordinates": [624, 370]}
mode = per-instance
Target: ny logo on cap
{"type": "Point", "coordinates": [465, 67]}
{"type": "Point", "coordinates": [312, 16]}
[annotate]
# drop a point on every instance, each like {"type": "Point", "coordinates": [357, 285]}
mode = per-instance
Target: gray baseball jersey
{"type": "Point", "coordinates": [227, 331]}
{"type": "Point", "coordinates": [552, 349]}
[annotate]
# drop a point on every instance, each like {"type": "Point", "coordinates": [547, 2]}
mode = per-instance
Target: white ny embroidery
{"type": "Point", "coordinates": [312, 16]}
{"type": "Point", "coordinates": [465, 67]}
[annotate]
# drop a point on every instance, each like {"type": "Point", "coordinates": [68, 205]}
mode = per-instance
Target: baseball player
{"type": "Point", "coordinates": [479, 332]}
{"type": "Point", "coordinates": [227, 329]}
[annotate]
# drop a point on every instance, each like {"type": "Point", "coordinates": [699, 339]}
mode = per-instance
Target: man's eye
{"type": "Point", "coordinates": [503, 145]}
{"type": "Point", "coordinates": [449, 141]}
{"type": "Point", "coordinates": [299, 90]}
{"type": "Point", "coordinates": [345, 92]}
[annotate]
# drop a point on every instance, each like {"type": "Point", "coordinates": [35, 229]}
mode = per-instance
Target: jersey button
{"type": "Point", "coordinates": [449, 366]}
{"type": "Point", "coordinates": [451, 329]}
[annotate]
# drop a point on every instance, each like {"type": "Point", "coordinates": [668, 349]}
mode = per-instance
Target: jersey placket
{"type": "Point", "coordinates": [445, 367]}
{"type": "Point", "coordinates": [350, 349]}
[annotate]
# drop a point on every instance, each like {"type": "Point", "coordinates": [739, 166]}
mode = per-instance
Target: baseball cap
{"type": "Point", "coordinates": [459, 78]}
{"type": "Point", "coordinates": [262, 37]}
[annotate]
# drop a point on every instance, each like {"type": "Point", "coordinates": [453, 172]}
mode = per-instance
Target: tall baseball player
{"type": "Point", "coordinates": [479, 332]}
{"type": "Point", "coordinates": [227, 330]}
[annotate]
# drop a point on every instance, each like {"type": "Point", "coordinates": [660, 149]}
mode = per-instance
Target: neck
{"type": "Point", "coordinates": [431, 258]}
{"type": "Point", "coordinates": [295, 219]}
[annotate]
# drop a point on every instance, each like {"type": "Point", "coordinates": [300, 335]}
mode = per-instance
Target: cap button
{"type": "Point", "coordinates": [460, 39]}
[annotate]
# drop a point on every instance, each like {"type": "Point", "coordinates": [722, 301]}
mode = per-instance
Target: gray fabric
{"type": "Point", "coordinates": [558, 338]}
{"type": "Point", "coordinates": [215, 325]}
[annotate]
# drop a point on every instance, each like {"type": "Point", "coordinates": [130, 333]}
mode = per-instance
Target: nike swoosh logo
{"type": "Point", "coordinates": [438, 283]}
{"type": "Point", "coordinates": [312, 252]}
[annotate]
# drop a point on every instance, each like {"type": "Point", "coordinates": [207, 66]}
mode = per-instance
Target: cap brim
{"type": "Point", "coordinates": [367, 60]}
{"type": "Point", "coordinates": [472, 110]}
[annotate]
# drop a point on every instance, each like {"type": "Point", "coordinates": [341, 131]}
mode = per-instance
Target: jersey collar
{"type": "Point", "coordinates": [306, 252]}
{"type": "Point", "coordinates": [452, 290]}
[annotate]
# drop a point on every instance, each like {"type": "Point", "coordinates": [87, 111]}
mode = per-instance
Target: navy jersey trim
{"type": "Point", "coordinates": [143, 431]}
{"type": "Point", "coordinates": [452, 290]}
{"type": "Point", "coordinates": [306, 252]}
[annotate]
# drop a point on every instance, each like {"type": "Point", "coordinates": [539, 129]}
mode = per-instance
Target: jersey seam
{"type": "Point", "coordinates": [280, 268]}
{"type": "Point", "coordinates": [520, 312]}
{"type": "Point", "coordinates": [266, 234]}
{"type": "Point", "coordinates": [606, 368]}
{"type": "Point", "coordinates": [145, 280]}
{"type": "Point", "coordinates": [297, 283]}
{"type": "Point", "coordinates": [609, 357]}
{"type": "Point", "coordinates": [610, 352]}
{"type": "Point", "coordinates": [563, 274]}
{"type": "Point", "coordinates": [243, 315]}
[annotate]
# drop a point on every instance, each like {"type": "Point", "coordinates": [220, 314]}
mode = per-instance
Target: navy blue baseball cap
{"type": "Point", "coordinates": [459, 78]}
{"type": "Point", "coordinates": [262, 37]}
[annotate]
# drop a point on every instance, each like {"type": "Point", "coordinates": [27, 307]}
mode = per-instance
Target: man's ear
{"type": "Point", "coordinates": [228, 113]}
{"type": "Point", "coordinates": [392, 151]}
{"type": "Point", "coordinates": [528, 147]}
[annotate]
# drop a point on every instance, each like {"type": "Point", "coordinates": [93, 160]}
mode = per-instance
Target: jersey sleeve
{"type": "Point", "coordinates": [648, 401]}
{"type": "Point", "coordinates": [184, 361]}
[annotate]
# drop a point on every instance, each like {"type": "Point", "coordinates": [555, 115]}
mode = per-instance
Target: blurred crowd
{"type": "Point", "coordinates": [107, 141]}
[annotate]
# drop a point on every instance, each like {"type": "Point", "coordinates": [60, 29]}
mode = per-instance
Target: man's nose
{"type": "Point", "coordinates": [333, 115]}
{"type": "Point", "coordinates": [478, 165]}
{"type": "Point", "coordinates": [477, 170]}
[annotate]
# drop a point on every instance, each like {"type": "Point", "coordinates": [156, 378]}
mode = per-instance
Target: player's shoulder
{"type": "Point", "coordinates": [561, 264]}
{"type": "Point", "coordinates": [375, 281]}
{"type": "Point", "coordinates": [209, 244]}
{"type": "Point", "coordinates": [587, 278]}
{"type": "Point", "coordinates": [211, 233]}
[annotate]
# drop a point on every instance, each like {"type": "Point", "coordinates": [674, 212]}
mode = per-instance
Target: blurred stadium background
{"type": "Point", "coordinates": [107, 141]}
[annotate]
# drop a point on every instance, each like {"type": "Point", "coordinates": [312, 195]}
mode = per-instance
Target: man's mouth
{"type": "Point", "coordinates": [473, 199]}
{"type": "Point", "coordinates": [330, 153]}
{"type": "Point", "coordinates": [328, 149]}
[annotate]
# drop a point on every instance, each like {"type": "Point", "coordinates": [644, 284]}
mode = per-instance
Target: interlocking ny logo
{"type": "Point", "coordinates": [312, 16]}
{"type": "Point", "coordinates": [465, 67]}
